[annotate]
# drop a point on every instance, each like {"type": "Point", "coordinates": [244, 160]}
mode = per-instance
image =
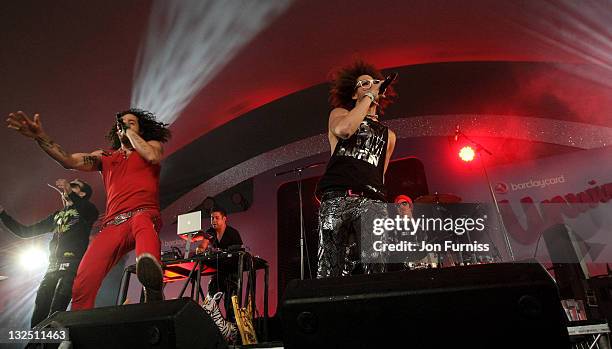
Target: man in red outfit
{"type": "Point", "coordinates": [130, 172]}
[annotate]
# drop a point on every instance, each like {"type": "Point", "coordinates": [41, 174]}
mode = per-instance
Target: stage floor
{"type": "Point", "coordinates": [267, 345]}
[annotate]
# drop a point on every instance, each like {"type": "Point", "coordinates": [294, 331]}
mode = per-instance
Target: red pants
{"type": "Point", "coordinates": [112, 243]}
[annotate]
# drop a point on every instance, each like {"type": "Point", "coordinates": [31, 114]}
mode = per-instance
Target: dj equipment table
{"type": "Point", "coordinates": [190, 270]}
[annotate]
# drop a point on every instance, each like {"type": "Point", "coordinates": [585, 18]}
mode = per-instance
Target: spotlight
{"type": "Point", "coordinates": [33, 258]}
{"type": "Point", "coordinates": [188, 43]}
{"type": "Point", "coordinates": [467, 154]}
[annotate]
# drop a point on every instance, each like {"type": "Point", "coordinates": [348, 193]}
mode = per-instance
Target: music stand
{"type": "Point", "coordinates": [479, 149]}
{"type": "Point", "coordinates": [299, 171]}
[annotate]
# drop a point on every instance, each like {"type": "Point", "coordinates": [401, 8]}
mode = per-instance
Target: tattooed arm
{"type": "Point", "coordinates": [20, 122]}
{"type": "Point", "coordinates": [76, 161]}
{"type": "Point", "coordinates": [150, 150]}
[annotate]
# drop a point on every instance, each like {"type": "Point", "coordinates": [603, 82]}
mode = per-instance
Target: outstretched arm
{"type": "Point", "coordinates": [20, 122]}
{"type": "Point", "coordinates": [45, 226]}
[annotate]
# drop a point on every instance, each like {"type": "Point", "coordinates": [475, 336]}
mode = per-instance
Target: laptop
{"type": "Point", "coordinates": [189, 223]}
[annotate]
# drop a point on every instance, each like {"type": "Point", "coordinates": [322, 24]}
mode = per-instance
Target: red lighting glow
{"type": "Point", "coordinates": [466, 154]}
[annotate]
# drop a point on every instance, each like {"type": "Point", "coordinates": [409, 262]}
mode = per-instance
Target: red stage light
{"type": "Point", "coordinates": [467, 154]}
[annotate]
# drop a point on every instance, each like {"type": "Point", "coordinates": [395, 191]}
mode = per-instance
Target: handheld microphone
{"type": "Point", "coordinates": [456, 132]}
{"type": "Point", "coordinates": [120, 124]}
{"type": "Point", "coordinates": [388, 80]}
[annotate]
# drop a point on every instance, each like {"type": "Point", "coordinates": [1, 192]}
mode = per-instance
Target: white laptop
{"type": "Point", "coordinates": [189, 223]}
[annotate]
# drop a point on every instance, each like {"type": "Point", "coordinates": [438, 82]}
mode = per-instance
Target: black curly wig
{"type": "Point", "coordinates": [150, 128]}
{"type": "Point", "coordinates": [343, 85]}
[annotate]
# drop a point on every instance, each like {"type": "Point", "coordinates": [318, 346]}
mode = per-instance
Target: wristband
{"type": "Point", "coordinates": [371, 95]}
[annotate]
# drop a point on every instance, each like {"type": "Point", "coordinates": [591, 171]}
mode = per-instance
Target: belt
{"type": "Point", "coordinates": [332, 194]}
{"type": "Point", "coordinates": [64, 264]}
{"type": "Point", "coordinates": [122, 217]}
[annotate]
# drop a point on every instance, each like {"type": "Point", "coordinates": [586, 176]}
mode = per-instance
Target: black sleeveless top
{"type": "Point", "coordinates": [358, 162]}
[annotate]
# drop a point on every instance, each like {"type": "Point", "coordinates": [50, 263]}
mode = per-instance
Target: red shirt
{"type": "Point", "coordinates": [131, 183]}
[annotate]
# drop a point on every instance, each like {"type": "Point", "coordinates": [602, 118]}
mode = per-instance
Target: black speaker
{"type": "Point", "coordinates": [567, 251]}
{"type": "Point", "coordinates": [479, 306]}
{"type": "Point", "coordinates": [179, 323]}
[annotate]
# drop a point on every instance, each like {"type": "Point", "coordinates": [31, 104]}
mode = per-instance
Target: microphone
{"type": "Point", "coordinates": [456, 132]}
{"type": "Point", "coordinates": [120, 123]}
{"type": "Point", "coordinates": [388, 80]}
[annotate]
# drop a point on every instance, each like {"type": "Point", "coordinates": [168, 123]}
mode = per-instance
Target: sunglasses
{"type": "Point", "coordinates": [367, 83]}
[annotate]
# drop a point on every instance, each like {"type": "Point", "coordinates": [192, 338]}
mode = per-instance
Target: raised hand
{"type": "Point", "coordinates": [62, 185]}
{"type": "Point", "coordinates": [32, 128]}
{"type": "Point", "coordinates": [20, 122]}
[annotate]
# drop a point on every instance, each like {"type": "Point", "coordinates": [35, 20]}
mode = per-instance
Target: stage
{"type": "Point", "coordinates": [299, 174]}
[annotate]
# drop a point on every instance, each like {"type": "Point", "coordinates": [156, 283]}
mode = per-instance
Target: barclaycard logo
{"type": "Point", "coordinates": [501, 188]}
{"type": "Point", "coordinates": [531, 184]}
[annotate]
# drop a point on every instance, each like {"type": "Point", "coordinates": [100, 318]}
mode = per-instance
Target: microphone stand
{"type": "Point", "coordinates": [299, 171]}
{"type": "Point", "coordinates": [479, 149]}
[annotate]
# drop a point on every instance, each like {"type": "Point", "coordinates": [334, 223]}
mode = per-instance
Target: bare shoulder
{"type": "Point", "coordinates": [391, 135]}
{"type": "Point", "coordinates": [336, 115]}
{"type": "Point", "coordinates": [338, 112]}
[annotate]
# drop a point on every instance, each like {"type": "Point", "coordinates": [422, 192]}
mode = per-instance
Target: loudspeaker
{"type": "Point", "coordinates": [489, 305]}
{"type": "Point", "coordinates": [179, 323]}
{"type": "Point", "coordinates": [564, 246]}
{"type": "Point", "coordinates": [565, 250]}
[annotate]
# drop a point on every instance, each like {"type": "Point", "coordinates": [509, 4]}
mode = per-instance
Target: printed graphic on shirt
{"type": "Point", "coordinates": [65, 219]}
{"type": "Point", "coordinates": [366, 144]}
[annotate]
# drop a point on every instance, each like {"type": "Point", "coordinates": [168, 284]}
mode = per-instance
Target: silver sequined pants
{"type": "Point", "coordinates": [341, 239]}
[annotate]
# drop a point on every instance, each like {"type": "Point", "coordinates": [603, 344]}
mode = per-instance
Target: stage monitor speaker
{"type": "Point", "coordinates": [479, 306]}
{"type": "Point", "coordinates": [565, 247]}
{"type": "Point", "coordinates": [179, 323]}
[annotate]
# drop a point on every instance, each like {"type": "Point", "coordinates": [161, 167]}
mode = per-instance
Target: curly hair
{"type": "Point", "coordinates": [343, 85]}
{"type": "Point", "coordinates": [150, 128]}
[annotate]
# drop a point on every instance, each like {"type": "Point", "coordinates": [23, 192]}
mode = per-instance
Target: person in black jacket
{"type": "Point", "coordinates": [224, 237]}
{"type": "Point", "coordinates": [71, 227]}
